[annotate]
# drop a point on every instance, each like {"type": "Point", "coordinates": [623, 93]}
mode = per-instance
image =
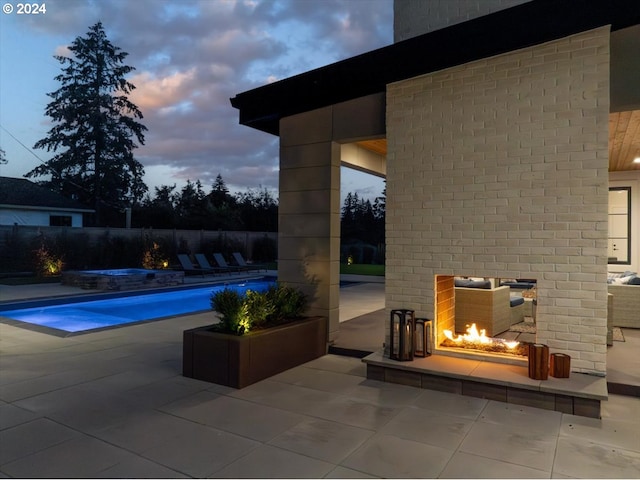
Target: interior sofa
{"type": "Point", "coordinates": [626, 305]}
{"type": "Point", "coordinates": [488, 308]}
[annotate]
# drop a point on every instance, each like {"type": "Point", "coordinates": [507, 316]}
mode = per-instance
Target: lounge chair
{"type": "Point", "coordinates": [189, 267]}
{"type": "Point", "coordinates": [223, 265]}
{"type": "Point", "coordinates": [237, 256]}
{"type": "Point", "coordinates": [204, 263]}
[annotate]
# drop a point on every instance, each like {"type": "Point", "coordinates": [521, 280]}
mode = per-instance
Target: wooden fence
{"type": "Point", "coordinates": [193, 241]}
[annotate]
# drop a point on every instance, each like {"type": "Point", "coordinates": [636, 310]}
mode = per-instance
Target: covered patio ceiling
{"type": "Point", "coordinates": [624, 141]}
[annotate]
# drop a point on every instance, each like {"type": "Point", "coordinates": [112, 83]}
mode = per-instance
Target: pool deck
{"type": "Point", "coordinates": [113, 404]}
{"type": "Point", "coordinates": [16, 293]}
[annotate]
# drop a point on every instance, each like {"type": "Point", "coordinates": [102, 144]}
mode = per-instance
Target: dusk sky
{"type": "Point", "coordinates": [190, 58]}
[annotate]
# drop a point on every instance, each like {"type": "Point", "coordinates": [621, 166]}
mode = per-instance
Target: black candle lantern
{"type": "Point", "coordinates": [423, 334]}
{"type": "Point", "coordinates": [402, 327]}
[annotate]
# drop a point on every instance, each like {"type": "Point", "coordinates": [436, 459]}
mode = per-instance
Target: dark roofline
{"type": "Point", "coordinates": [46, 209]}
{"type": "Point", "coordinates": [27, 195]}
{"type": "Point", "coordinates": [522, 26]}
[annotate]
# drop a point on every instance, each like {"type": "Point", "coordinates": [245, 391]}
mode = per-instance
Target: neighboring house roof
{"type": "Point", "coordinates": [21, 193]}
{"type": "Point", "coordinates": [522, 26]}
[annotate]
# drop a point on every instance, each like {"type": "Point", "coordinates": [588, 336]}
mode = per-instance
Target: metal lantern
{"type": "Point", "coordinates": [402, 327]}
{"type": "Point", "coordinates": [422, 335]}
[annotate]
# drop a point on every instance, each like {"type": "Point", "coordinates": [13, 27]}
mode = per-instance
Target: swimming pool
{"type": "Point", "coordinates": [84, 316]}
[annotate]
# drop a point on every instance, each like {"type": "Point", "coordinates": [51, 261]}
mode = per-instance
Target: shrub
{"type": "Point", "coordinates": [241, 313]}
{"type": "Point", "coordinates": [288, 302]}
{"type": "Point", "coordinates": [154, 257]}
{"type": "Point", "coordinates": [45, 262]}
{"type": "Point", "coordinates": [258, 308]}
{"type": "Point", "coordinates": [229, 303]}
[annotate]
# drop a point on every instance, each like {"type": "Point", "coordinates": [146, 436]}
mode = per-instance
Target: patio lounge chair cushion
{"type": "Point", "coordinates": [468, 283]}
{"type": "Point", "coordinates": [515, 301]}
{"type": "Point", "coordinates": [189, 267]}
{"type": "Point", "coordinates": [223, 265]}
{"type": "Point", "coordinates": [239, 259]}
{"type": "Point", "coordinates": [204, 263]}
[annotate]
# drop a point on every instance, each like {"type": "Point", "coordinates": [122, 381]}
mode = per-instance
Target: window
{"type": "Point", "coordinates": [59, 220]}
{"type": "Point", "coordinates": [619, 251]}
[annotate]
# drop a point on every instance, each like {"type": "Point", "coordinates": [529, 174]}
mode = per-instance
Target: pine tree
{"type": "Point", "coordinates": [219, 194]}
{"type": "Point", "coordinates": [95, 128]}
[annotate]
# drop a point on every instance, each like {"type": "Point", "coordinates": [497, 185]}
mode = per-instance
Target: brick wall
{"type": "Point", "coordinates": [499, 168]}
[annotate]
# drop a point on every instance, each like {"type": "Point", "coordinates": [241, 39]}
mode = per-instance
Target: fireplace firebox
{"type": "Point", "coordinates": [484, 317]}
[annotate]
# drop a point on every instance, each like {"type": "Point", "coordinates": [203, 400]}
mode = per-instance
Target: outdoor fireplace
{"type": "Point", "coordinates": [478, 341]}
{"type": "Point", "coordinates": [479, 320]}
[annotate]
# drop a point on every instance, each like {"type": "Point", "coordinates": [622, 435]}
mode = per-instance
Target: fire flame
{"type": "Point", "coordinates": [478, 338]}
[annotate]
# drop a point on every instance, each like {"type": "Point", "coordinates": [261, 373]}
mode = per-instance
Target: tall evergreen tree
{"type": "Point", "coordinates": [219, 194]}
{"type": "Point", "coordinates": [192, 205]}
{"type": "Point", "coordinates": [95, 128]}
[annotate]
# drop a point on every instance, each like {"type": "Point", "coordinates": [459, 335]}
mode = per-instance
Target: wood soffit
{"type": "Point", "coordinates": [624, 141]}
{"type": "Point", "coordinates": [376, 146]}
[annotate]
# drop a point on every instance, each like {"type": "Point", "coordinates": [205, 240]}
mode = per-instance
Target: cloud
{"type": "Point", "coordinates": [63, 51]}
{"type": "Point", "coordinates": [192, 56]}
{"type": "Point", "coordinates": [160, 92]}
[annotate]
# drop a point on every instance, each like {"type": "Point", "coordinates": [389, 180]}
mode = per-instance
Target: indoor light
{"type": "Point", "coordinates": [636, 160]}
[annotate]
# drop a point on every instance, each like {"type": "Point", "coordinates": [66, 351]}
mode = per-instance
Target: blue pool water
{"type": "Point", "coordinates": [81, 316]}
{"type": "Point", "coordinates": [119, 272]}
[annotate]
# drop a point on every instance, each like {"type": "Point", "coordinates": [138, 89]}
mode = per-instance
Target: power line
{"type": "Point", "coordinates": [53, 172]}
{"type": "Point", "coordinates": [22, 144]}
{"type": "Point", "coordinates": [56, 174]}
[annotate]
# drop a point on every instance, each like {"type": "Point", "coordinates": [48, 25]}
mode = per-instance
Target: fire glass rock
{"type": "Point", "coordinates": [521, 350]}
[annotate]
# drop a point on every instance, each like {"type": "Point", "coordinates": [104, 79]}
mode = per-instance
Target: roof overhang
{"type": "Point", "coordinates": [522, 26]}
{"type": "Point", "coordinates": [9, 206]}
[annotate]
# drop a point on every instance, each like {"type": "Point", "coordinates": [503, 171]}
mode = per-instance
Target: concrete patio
{"type": "Point", "coordinates": [114, 404]}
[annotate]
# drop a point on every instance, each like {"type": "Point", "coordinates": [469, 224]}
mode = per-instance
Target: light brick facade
{"type": "Point", "coordinates": [499, 168]}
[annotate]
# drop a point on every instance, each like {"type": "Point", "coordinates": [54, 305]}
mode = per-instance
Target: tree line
{"type": "Point", "coordinates": [361, 220]}
{"type": "Point", "coordinates": [192, 208]}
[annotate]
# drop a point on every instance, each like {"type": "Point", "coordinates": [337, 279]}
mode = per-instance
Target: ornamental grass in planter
{"type": "Point", "coordinates": [259, 335]}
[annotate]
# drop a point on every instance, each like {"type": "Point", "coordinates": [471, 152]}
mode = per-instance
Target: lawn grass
{"type": "Point", "coordinates": [362, 269]}
{"type": "Point", "coordinates": [355, 269]}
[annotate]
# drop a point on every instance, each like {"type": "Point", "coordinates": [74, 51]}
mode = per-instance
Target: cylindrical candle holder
{"type": "Point", "coordinates": [538, 361]}
{"type": "Point", "coordinates": [560, 365]}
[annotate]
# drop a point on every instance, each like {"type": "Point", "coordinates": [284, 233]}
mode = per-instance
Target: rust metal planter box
{"type": "Point", "coordinates": [238, 361]}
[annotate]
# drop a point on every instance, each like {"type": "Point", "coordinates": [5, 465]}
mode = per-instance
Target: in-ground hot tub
{"type": "Point", "coordinates": [121, 279]}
